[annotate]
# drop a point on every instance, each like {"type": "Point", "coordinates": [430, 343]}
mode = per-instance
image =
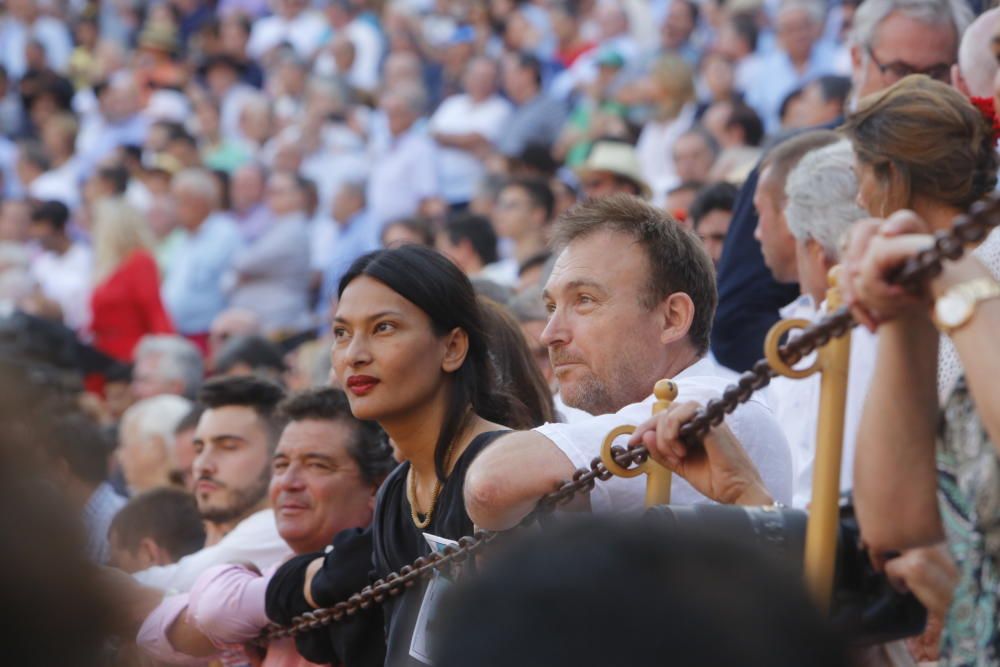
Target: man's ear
{"type": "Point", "coordinates": [678, 313]}
{"type": "Point", "coordinates": [958, 81]}
{"type": "Point", "coordinates": [456, 348]}
{"type": "Point", "coordinates": [150, 553]}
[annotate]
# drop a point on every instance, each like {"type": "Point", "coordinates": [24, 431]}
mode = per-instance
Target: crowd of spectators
{"type": "Point", "coordinates": [601, 193]}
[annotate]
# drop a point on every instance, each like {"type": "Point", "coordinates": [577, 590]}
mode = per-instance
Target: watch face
{"type": "Point", "coordinates": [952, 310]}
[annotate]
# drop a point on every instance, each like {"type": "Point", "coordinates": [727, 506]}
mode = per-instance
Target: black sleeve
{"type": "Point", "coordinates": [285, 600]}
{"type": "Point", "coordinates": [356, 642]}
{"type": "Point", "coordinates": [749, 297]}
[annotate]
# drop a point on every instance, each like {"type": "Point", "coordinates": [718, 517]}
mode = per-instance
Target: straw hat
{"type": "Point", "coordinates": [158, 37]}
{"type": "Point", "coordinates": [617, 158]}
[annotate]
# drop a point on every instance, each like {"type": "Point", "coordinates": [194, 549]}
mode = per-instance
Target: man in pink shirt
{"type": "Point", "coordinates": [325, 473]}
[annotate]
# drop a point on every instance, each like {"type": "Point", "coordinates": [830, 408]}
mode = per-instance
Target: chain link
{"type": "Point", "coordinates": [950, 244]}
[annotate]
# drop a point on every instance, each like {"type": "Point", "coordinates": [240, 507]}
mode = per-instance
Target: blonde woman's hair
{"type": "Point", "coordinates": [119, 230]}
{"type": "Point", "coordinates": [676, 76]}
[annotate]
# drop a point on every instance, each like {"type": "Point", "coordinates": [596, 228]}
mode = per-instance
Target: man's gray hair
{"type": "Point", "coordinates": [822, 195]}
{"type": "Point", "coordinates": [815, 10]}
{"type": "Point", "coordinates": [198, 181]}
{"type": "Point", "coordinates": [180, 359]}
{"type": "Point", "coordinates": [158, 417]}
{"type": "Point", "coordinates": [871, 13]}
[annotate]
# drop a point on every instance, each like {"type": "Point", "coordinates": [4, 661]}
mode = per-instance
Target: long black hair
{"type": "Point", "coordinates": [434, 284]}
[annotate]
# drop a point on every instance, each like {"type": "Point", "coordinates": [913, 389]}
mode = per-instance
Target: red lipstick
{"type": "Point", "coordinates": [360, 385]}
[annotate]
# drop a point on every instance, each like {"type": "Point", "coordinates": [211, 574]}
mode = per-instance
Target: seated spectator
{"type": "Point", "coordinates": [672, 93]}
{"type": "Point", "coordinates": [192, 291]}
{"type": "Point", "coordinates": [801, 56]}
{"type": "Point", "coordinates": [403, 231]}
{"type": "Point", "coordinates": [125, 304]}
{"type": "Point", "coordinates": [230, 323]}
{"type": "Point", "coordinates": [537, 118]}
{"type": "Point", "coordinates": [234, 441]}
{"type": "Point", "coordinates": [702, 598]}
{"type": "Point", "coordinates": [591, 301]}
{"type": "Point", "coordinates": [710, 213]}
{"type": "Point", "coordinates": [469, 241]}
{"type": "Point", "coordinates": [533, 271]}
{"type": "Point", "coordinates": [521, 216]}
{"type": "Point", "coordinates": [733, 124]}
{"type": "Point", "coordinates": [79, 453]}
{"type": "Point", "coordinates": [352, 235]}
{"type": "Point", "coordinates": [62, 180]}
{"type": "Point", "coordinates": [62, 270]}
{"type": "Point", "coordinates": [271, 274]}
{"type": "Point", "coordinates": [596, 114]}
{"type": "Point", "coordinates": [820, 210]}
{"type": "Point", "coordinates": [166, 365]}
{"type": "Point", "coordinates": [247, 199]}
{"type": "Point", "coordinates": [158, 527]}
{"type": "Point", "coordinates": [251, 355]}
{"type": "Point", "coordinates": [680, 199]}
{"type": "Point", "coordinates": [611, 167]}
{"type": "Point", "coordinates": [465, 127]}
{"type": "Point", "coordinates": [776, 242]}
{"type": "Point", "coordinates": [326, 470]}
{"type": "Point", "coordinates": [823, 101]}
{"type": "Point", "coordinates": [403, 179]}
{"type": "Point", "coordinates": [694, 153]}
{"type": "Point", "coordinates": [529, 310]}
{"type": "Point", "coordinates": [146, 442]}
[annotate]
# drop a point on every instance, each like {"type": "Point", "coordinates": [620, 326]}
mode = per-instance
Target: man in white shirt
{"type": "Point", "coordinates": [293, 22]}
{"type": "Point", "coordinates": [465, 127]}
{"type": "Point", "coordinates": [806, 199]}
{"type": "Point", "coordinates": [630, 300]}
{"type": "Point", "coordinates": [63, 269]}
{"type": "Point", "coordinates": [821, 207]}
{"type": "Point", "coordinates": [234, 440]}
{"type": "Point", "coordinates": [403, 179]}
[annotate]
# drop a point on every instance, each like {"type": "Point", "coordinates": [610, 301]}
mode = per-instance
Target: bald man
{"type": "Point", "coordinates": [977, 64]}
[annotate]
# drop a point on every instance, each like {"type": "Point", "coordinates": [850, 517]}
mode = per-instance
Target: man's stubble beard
{"type": "Point", "coordinates": [621, 388]}
{"type": "Point", "coordinates": [240, 501]}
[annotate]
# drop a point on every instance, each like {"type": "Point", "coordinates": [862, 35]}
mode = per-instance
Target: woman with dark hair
{"type": "Point", "coordinates": [516, 367]}
{"type": "Point", "coordinates": [411, 350]}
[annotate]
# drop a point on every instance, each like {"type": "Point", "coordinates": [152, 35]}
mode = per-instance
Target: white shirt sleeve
{"type": "Point", "coordinates": [752, 423]}
{"type": "Point", "coordinates": [254, 540]}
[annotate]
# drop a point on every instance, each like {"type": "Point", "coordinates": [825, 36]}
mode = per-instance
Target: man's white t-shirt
{"type": "Point", "coordinates": [65, 279]}
{"type": "Point", "coordinates": [796, 405]}
{"type": "Point", "coordinates": [254, 540]}
{"type": "Point", "coordinates": [460, 169]}
{"type": "Point", "coordinates": [753, 423]}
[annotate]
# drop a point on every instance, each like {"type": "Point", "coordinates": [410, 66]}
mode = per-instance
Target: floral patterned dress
{"type": "Point", "coordinates": [969, 499]}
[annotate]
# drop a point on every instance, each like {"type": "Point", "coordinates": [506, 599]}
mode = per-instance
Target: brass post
{"type": "Point", "coordinates": [824, 511]}
{"type": "Point", "coordinates": [658, 478]}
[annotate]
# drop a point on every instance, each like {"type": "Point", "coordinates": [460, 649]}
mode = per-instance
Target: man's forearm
{"type": "Point", "coordinates": [507, 479]}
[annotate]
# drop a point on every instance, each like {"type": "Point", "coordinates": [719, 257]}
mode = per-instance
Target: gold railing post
{"type": "Point", "coordinates": [658, 478]}
{"type": "Point", "coordinates": [824, 511]}
{"type": "Point", "coordinates": [832, 361]}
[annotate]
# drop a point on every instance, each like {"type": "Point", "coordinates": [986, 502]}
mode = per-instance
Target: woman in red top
{"type": "Point", "coordinates": [125, 304]}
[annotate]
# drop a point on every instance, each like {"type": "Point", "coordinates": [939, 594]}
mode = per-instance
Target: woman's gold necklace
{"type": "Point", "coordinates": [411, 493]}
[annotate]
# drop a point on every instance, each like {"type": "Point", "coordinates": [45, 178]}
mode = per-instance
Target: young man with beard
{"type": "Point", "coordinates": [325, 473]}
{"type": "Point", "coordinates": [234, 441]}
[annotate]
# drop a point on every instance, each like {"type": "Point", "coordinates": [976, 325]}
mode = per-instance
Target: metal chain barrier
{"type": "Point", "coordinates": [948, 245]}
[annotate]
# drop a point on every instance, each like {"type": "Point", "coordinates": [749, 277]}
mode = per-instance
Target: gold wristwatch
{"type": "Point", "coordinates": [955, 308]}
